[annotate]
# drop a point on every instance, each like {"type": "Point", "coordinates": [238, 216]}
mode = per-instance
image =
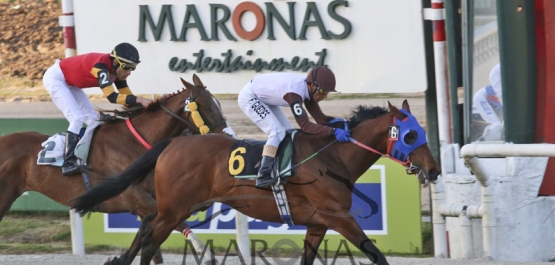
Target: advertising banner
{"type": "Point", "coordinates": [372, 46]}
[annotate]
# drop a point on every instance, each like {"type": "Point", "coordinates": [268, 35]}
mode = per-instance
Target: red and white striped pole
{"type": "Point", "coordinates": [67, 22]}
{"type": "Point", "coordinates": [436, 15]}
{"type": "Point", "coordinates": [440, 61]}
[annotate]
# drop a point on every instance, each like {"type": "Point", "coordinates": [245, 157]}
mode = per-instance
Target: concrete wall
{"type": "Point", "coordinates": [525, 222]}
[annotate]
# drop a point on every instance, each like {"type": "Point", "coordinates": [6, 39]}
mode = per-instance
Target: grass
{"type": "Point", "coordinates": [29, 232]}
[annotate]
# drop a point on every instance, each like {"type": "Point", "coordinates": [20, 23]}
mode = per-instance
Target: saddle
{"type": "Point", "coordinates": [245, 155]}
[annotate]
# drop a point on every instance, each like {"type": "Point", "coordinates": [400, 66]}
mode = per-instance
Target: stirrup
{"type": "Point", "coordinates": [265, 181]}
{"type": "Point", "coordinates": [71, 169]}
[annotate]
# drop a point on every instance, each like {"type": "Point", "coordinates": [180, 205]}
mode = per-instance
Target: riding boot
{"type": "Point", "coordinates": [70, 165]}
{"type": "Point", "coordinates": [265, 175]}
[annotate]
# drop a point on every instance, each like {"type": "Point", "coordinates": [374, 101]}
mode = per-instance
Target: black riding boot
{"type": "Point", "coordinates": [265, 177]}
{"type": "Point", "coordinates": [70, 166]}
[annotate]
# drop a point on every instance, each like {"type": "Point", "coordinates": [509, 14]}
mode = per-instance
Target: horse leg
{"type": "Point", "coordinates": [155, 232]}
{"type": "Point", "coordinates": [128, 257]}
{"type": "Point", "coordinates": [197, 243]}
{"type": "Point", "coordinates": [314, 236]}
{"type": "Point", "coordinates": [8, 194]}
{"type": "Point", "coordinates": [349, 228]}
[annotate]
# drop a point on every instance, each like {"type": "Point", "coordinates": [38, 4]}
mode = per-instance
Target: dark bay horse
{"type": "Point", "coordinates": [113, 148]}
{"type": "Point", "coordinates": [318, 192]}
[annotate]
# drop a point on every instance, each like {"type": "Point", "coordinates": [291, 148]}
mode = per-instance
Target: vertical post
{"type": "Point", "coordinates": [517, 50]}
{"type": "Point", "coordinates": [442, 90]}
{"type": "Point", "coordinates": [243, 241]}
{"type": "Point", "coordinates": [467, 7]}
{"type": "Point", "coordinates": [77, 238]}
{"type": "Point", "coordinates": [67, 22]}
{"type": "Point", "coordinates": [444, 119]}
{"type": "Point", "coordinates": [545, 109]}
{"type": "Point", "coordinates": [454, 64]}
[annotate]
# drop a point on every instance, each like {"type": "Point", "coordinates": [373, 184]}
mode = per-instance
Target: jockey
{"type": "Point", "coordinates": [489, 100]}
{"type": "Point", "coordinates": [261, 99]}
{"type": "Point", "coordinates": [65, 79]}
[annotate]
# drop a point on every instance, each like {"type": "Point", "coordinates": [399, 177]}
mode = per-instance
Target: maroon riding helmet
{"type": "Point", "coordinates": [322, 77]}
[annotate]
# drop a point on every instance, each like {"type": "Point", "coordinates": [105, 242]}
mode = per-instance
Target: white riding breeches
{"type": "Point", "coordinates": [270, 119]}
{"type": "Point", "coordinates": [72, 101]}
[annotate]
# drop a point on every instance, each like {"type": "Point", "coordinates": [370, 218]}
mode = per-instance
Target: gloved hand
{"type": "Point", "coordinates": [341, 135]}
{"type": "Point", "coordinates": [334, 123]}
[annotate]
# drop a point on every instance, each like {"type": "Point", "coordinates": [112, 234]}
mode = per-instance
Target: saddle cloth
{"type": "Point", "coordinates": [245, 156]}
{"type": "Point", "coordinates": [52, 152]}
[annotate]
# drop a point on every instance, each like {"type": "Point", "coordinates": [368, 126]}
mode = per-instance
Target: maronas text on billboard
{"type": "Point", "coordinates": [264, 21]}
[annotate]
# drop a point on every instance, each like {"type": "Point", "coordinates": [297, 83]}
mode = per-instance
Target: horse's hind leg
{"type": "Point", "coordinates": [8, 194]}
{"type": "Point", "coordinates": [128, 257]}
{"type": "Point", "coordinates": [155, 232]}
{"type": "Point", "coordinates": [349, 228]}
{"type": "Point", "coordinates": [197, 243]}
{"type": "Point", "coordinates": [314, 236]}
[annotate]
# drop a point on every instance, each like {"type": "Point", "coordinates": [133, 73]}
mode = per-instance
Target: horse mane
{"type": "Point", "coordinates": [130, 112]}
{"type": "Point", "coordinates": [362, 113]}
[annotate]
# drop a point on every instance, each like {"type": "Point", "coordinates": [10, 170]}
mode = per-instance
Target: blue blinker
{"type": "Point", "coordinates": [401, 149]}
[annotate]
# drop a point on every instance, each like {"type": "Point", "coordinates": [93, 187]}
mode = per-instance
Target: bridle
{"type": "Point", "coordinates": [198, 126]}
{"type": "Point", "coordinates": [199, 123]}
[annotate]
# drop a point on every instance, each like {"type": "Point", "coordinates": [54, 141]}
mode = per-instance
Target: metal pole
{"type": "Point", "coordinates": [440, 61]}
{"type": "Point", "coordinates": [66, 21]}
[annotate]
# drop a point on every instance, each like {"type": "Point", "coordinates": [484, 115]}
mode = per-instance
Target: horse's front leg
{"type": "Point", "coordinates": [314, 236]}
{"type": "Point", "coordinates": [128, 257]}
{"type": "Point", "coordinates": [349, 228]}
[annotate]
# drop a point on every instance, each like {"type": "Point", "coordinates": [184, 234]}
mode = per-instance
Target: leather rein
{"type": "Point", "coordinates": [190, 125]}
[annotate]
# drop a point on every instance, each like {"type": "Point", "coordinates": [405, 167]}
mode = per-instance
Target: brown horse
{"type": "Point", "coordinates": [113, 148]}
{"type": "Point", "coordinates": [318, 192]}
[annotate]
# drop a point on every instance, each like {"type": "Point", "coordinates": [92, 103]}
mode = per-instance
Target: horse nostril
{"type": "Point", "coordinates": [433, 173]}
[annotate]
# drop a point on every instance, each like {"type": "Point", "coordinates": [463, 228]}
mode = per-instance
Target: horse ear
{"type": "Point", "coordinates": [196, 81]}
{"type": "Point", "coordinates": [185, 83]}
{"type": "Point", "coordinates": [392, 108]}
{"type": "Point", "coordinates": [405, 106]}
{"type": "Point", "coordinates": [399, 115]}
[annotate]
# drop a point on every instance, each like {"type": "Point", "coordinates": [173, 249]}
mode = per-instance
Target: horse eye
{"type": "Point", "coordinates": [410, 138]}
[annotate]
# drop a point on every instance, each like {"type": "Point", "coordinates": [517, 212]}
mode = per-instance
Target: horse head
{"type": "Point", "coordinates": [197, 108]}
{"type": "Point", "coordinates": [210, 118]}
{"type": "Point", "coordinates": [409, 145]}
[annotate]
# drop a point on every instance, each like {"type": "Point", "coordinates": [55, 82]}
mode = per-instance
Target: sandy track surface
{"type": "Point", "coordinates": [178, 259]}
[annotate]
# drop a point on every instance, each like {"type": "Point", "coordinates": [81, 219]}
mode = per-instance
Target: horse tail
{"type": "Point", "coordinates": [114, 185]}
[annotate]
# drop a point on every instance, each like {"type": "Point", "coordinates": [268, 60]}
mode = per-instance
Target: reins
{"type": "Point", "coordinates": [196, 127]}
{"type": "Point", "coordinates": [392, 139]}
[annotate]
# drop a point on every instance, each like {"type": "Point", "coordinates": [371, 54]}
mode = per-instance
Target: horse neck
{"type": "Point", "coordinates": [372, 133]}
{"type": "Point", "coordinates": [155, 126]}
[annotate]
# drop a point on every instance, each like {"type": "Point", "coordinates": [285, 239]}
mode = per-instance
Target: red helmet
{"type": "Point", "coordinates": [322, 77]}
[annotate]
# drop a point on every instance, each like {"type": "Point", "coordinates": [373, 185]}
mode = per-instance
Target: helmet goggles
{"type": "Point", "coordinates": [124, 65]}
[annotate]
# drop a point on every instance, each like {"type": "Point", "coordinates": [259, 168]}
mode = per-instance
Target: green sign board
{"type": "Point", "coordinates": [395, 228]}
{"type": "Point", "coordinates": [34, 201]}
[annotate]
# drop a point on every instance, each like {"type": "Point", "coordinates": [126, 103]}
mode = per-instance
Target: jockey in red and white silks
{"type": "Point", "coordinates": [65, 80]}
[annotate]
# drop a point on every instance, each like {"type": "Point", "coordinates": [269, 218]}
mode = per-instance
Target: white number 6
{"type": "Point", "coordinates": [297, 109]}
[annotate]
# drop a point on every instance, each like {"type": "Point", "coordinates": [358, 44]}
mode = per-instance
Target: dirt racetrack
{"type": "Point", "coordinates": [178, 259]}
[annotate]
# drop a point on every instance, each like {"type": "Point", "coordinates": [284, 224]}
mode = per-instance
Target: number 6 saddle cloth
{"type": "Point", "coordinates": [245, 156]}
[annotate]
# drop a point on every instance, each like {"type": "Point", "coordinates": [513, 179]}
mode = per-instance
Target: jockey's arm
{"type": "Point", "coordinates": [301, 116]}
{"type": "Point", "coordinates": [100, 71]}
{"type": "Point", "coordinates": [316, 112]}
